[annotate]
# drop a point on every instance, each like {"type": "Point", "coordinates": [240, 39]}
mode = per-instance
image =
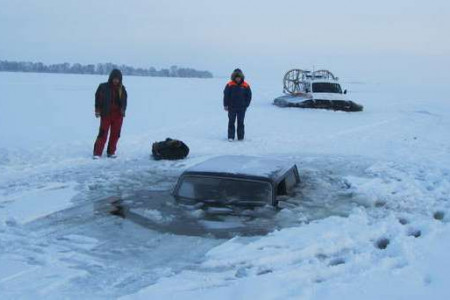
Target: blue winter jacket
{"type": "Point", "coordinates": [237, 96]}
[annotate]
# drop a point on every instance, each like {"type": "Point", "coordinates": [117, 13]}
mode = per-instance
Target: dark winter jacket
{"type": "Point", "coordinates": [108, 95]}
{"type": "Point", "coordinates": [237, 96]}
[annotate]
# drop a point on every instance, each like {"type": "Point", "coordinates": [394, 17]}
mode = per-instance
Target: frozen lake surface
{"type": "Point", "coordinates": [369, 219]}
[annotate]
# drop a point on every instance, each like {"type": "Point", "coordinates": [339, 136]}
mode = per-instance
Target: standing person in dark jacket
{"type": "Point", "coordinates": [110, 107]}
{"type": "Point", "coordinates": [236, 98]}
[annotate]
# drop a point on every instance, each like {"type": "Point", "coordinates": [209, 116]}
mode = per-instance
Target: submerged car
{"type": "Point", "coordinates": [318, 89]}
{"type": "Point", "coordinates": [223, 196]}
{"type": "Point", "coordinates": [239, 180]}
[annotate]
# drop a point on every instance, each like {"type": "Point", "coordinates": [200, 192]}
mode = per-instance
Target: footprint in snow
{"type": "Point", "coordinates": [380, 203]}
{"type": "Point", "coordinates": [439, 215]}
{"type": "Point", "coordinates": [382, 243]}
{"type": "Point", "coordinates": [336, 262]}
{"type": "Point", "coordinates": [414, 232]}
{"type": "Point", "coordinates": [403, 221]}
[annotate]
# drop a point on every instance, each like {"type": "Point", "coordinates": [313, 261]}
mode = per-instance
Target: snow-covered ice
{"type": "Point", "coordinates": [31, 205]}
{"type": "Point", "coordinates": [370, 219]}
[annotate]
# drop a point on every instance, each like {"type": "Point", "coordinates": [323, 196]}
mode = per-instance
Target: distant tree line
{"type": "Point", "coordinates": [100, 69]}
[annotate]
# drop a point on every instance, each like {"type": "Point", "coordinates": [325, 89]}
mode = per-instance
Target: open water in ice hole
{"type": "Point", "coordinates": [319, 195]}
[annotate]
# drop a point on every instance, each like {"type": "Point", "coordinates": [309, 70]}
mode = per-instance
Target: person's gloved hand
{"type": "Point", "coordinates": [97, 114]}
{"type": "Point", "coordinates": [225, 108]}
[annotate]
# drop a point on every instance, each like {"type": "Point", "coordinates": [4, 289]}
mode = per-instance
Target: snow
{"type": "Point", "coordinates": [246, 165]}
{"type": "Point", "coordinates": [28, 206]}
{"type": "Point", "coordinates": [371, 219]}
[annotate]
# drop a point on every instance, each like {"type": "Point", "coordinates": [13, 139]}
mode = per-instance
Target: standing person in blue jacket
{"type": "Point", "coordinates": [236, 98]}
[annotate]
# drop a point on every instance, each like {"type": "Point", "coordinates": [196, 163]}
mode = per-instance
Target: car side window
{"type": "Point", "coordinates": [286, 186]}
{"type": "Point", "coordinates": [281, 188]}
{"type": "Point", "coordinates": [290, 181]}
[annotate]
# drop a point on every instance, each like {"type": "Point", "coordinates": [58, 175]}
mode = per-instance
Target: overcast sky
{"type": "Point", "coordinates": [259, 36]}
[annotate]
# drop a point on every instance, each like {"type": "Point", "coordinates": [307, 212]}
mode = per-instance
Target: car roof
{"type": "Point", "coordinates": [242, 166]}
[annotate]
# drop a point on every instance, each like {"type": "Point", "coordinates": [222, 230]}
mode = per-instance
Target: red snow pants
{"type": "Point", "coordinates": [112, 124]}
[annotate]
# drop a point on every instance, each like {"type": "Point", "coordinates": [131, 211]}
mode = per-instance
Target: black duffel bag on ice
{"type": "Point", "coordinates": [170, 149]}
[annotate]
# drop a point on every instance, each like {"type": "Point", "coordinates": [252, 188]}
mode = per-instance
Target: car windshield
{"type": "Point", "coordinates": [326, 87]}
{"type": "Point", "coordinates": [224, 190]}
